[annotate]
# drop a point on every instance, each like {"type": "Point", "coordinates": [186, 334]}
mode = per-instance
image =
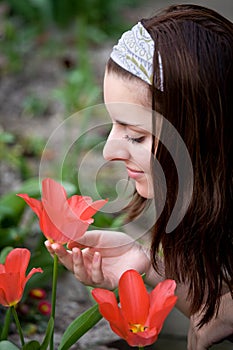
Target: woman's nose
{"type": "Point", "coordinates": [115, 148]}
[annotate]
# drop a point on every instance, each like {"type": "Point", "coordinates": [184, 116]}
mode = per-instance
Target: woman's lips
{"type": "Point", "coordinates": [134, 174]}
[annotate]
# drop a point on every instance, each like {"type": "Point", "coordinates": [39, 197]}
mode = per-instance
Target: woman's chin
{"type": "Point", "coordinates": [144, 191]}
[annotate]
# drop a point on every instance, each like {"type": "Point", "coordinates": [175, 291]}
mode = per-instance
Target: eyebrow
{"type": "Point", "coordinates": [126, 124]}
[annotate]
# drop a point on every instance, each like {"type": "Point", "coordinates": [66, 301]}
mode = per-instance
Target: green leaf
{"type": "Point", "coordinates": [11, 208]}
{"type": "Point", "coordinates": [79, 327]}
{"type": "Point", "coordinates": [7, 345]}
{"type": "Point", "coordinates": [31, 187]}
{"type": "Point", "coordinates": [11, 236]}
{"type": "Point", "coordinates": [6, 137]}
{"type": "Point", "coordinates": [3, 254]}
{"type": "Point", "coordinates": [32, 345]}
{"type": "Point", "coordinates": [48, 334]}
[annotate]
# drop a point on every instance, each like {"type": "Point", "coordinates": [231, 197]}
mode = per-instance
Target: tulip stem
{"type": "Point", "coordinates": [141, 348]}
{"type": "Point", "coordinates": [5, 330]}
{"type": "Point", "coordinates": [18, 325]}
{"type": "Point", "coordinates": [54, 294]}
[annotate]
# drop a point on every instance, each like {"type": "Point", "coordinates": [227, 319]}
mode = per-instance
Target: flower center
{"type": "Point", "coordinates": [137, 327]}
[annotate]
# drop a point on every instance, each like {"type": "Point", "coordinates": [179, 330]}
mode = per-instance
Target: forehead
{"type": "Point", "coordinates": [120, 89]}
{"type": "Point", "coordinates": [128, 101]}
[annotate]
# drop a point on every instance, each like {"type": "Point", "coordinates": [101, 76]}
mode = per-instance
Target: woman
{"type": "Point", "coordinates": [179, 64]}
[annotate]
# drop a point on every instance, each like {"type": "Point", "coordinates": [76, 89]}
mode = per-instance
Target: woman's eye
{"type": "Point", "coordinates": [134, 139]}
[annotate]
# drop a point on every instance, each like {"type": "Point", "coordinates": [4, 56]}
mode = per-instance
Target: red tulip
{"type": "Point", "coordinates": [62, 219]}
{"type": "Point", "coordinates": [141, 315]}
{"type": "Point", "coordinates": [13, 276]}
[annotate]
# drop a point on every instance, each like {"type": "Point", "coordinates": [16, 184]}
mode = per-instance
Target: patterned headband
{"type": "Point", "coordinates": [134, 52]}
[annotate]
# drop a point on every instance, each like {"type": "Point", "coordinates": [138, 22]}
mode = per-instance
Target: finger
{"type": "Point", "coordinates": [97, 272]}
{"type": "Point", "coordinates": [59, 250]}
{"type": "Point", "coordinates": [78, 265]}
{"type": "Point", "coordinates": [64, 256]}
{"type": "Point", "coordinates": [74, 244]}
{"type": "Point", "coordinates": [48, 247]}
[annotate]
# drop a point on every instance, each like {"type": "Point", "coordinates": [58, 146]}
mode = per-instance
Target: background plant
{"type": "Point", "coordinates": [65, 31]}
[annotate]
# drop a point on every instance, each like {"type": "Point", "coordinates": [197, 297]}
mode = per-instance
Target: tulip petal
{"type": "Point", "coordinates": [47, 227]}
{"type": "Point", "coordinates": [134, 297]}
{"type": "Point", "coordinates": [33, 203]}
{"type": "Point", "coordinates": [157, 319]}
{"type": "Point", "coordinates": [10, 284]}
{"type": "Point", "coordinates": [50, 230]}
{"type": "Point", "coordinates": [17, 261]}
{"type": "Point", "coordinates": [162, 300]}
{"type": "Point", "coordinates": [63, 228]}
{"type": "Point", "coordinates": [109, 309]}
{"type": "Point", "coordinates": [162, 292]}
{"type": "Point", "coordinates": [53, 192]}
{"type": "Point", "coordinates": [60, 214]}
{"type": "Point", "coordinates": [3, 300]}
{"type": "Point", "coordinates": [142, 338]}
{"type": "Point", "coordinates": [32, 272]}
{"type": "Point", "coordinates": [61, 219]}
{"type": "Point", "coordinates": [92, 209]}
{"type": "Point", "coordinates": [120, 328]}
{"type": "Point", "coordinates": [2, 268]}
{"type": "Point", "coordinates": [79, 203]}
{"type": "Point", "coordinates": [107, 303]}
{"type": "Point", "coordinates": [13, 279]}
{"type": "Point", "coordinates": [54, 201]}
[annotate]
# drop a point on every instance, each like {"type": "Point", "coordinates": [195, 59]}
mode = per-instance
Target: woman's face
{"type": "Point", "coordinates": [130, 140]}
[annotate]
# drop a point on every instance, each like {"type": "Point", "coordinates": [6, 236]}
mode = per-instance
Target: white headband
{"type": "Point", "coordinates": [134, 52]}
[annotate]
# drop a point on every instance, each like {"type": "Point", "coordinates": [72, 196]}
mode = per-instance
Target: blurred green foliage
{"type": "Point", "coordinates": [78, 91]}
{"type": "Point", "coordinates": [106, 15]}
{"type": "Point", "coordinates": [27, 25]}
{"type": "Point", "coordinates": [34, 106]}
{"type": "Point", "coordinates": [17, 150]}
{"type": "Point", "coordinates": [40, 25]}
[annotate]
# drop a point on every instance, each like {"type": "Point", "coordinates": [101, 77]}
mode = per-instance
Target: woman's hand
{"type": "Point", "coordinates": [216, 330]}
{"type": "Point", "coordinates": [100, 257]}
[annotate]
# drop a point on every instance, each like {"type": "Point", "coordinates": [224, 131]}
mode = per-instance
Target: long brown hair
{"type": "Point", "coordinates": [196, 49]}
